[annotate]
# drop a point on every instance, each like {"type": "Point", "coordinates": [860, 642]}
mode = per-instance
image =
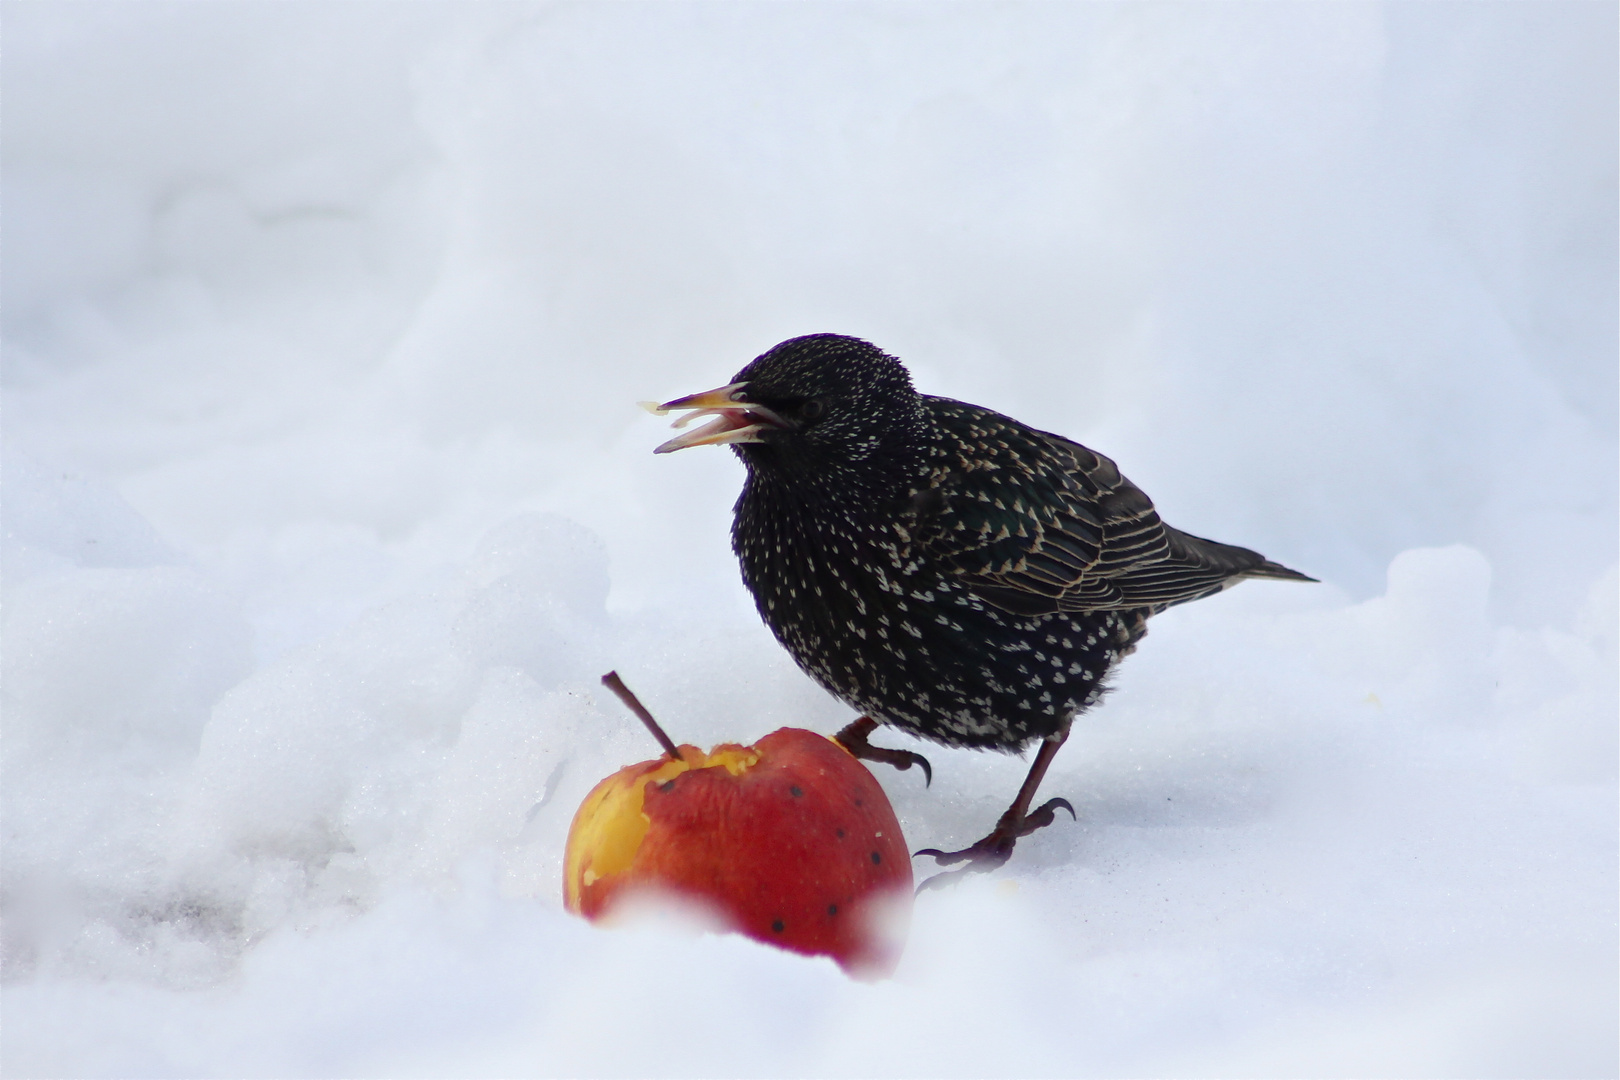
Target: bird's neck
{"type": "Point", "coordinates": [850, 492]}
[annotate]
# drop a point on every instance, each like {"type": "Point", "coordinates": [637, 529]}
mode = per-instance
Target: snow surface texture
{"type": "Point", "coordinates": [326, 503]}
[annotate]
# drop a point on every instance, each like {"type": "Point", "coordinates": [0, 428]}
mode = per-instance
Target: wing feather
{"type": "Point", "coordinates": [1034, 523]}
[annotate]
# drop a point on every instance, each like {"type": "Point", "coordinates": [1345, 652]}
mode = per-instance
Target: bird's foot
{"type": "Point", "coordinates": [994, 850]}
{"type": "Point", "coordinates": [853, 739]}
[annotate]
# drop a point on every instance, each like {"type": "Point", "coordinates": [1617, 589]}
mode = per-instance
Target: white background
{"type": "Point", "coordinates": [326, 502]}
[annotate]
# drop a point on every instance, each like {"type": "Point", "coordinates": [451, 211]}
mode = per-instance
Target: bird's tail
{"type": "Point", "coordinates": [1237, 563]}
{"type": "Point", "coordinates": [1269, 569]}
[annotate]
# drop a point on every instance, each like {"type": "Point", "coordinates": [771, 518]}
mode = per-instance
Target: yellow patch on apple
{"type": "Point", "coordinates": [790, 841]}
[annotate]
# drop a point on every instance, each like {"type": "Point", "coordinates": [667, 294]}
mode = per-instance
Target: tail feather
{"type": "Point", "coordinates": [1238, 562]}
{"type": "Point", "coordinates": [1269, 569]}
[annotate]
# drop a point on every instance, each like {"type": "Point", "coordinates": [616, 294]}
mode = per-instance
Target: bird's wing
{"type": "Point", "coordinates": [1034, 523]}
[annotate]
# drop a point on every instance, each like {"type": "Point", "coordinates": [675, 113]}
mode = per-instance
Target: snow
{"type": "Point", "coordinates": [326, 503]}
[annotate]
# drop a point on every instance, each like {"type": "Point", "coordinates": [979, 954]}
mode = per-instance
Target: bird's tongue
{"type": "Point", "coordinates": [728, 426]}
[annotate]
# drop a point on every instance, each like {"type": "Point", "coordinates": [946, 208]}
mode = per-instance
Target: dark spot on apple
{"type": "Point", "coordinates": [778, 926]}
{"type": "Point", "coordinates": [795, 791]}
{"type": "Point", "coordinates": [876, 858]}
{"type": "Point", "coordinates": [667, 785]}
{"type": "Point", "coordinates": [832, 909]}
{"type": "Point", "coordinates": [859, 803]}
{"type": "Point", "coordinates": [840, 834]}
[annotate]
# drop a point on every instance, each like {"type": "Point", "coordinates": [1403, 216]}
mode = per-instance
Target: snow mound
{"type": "Point", "coordinates": [326, 505]}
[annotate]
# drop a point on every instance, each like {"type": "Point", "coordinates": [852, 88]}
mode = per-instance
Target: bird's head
{"type": "Point", "coordinates": [813, 405]}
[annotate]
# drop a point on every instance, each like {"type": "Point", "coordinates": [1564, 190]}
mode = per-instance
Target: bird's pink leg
{"type": "Point", "coordinates": [853, 739]}
{"type": "Point", "coordinates": [1019, 820]}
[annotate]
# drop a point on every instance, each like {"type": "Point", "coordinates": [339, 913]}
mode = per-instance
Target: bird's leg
{"type": "Point", "coordinates": [853, 739]}
{"type": "Point", "coordinates": [1019, 820]}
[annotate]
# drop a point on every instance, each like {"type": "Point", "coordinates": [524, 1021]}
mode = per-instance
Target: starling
{"type": "Point", "coordinates": [939, 566]}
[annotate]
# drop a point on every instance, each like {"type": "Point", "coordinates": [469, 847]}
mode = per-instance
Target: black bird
{"type": "Point", "coordinates": [939, 566]}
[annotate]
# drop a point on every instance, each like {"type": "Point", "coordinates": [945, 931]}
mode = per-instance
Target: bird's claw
{"type": "Point", "coordinates": [1043, 815]}
{"type": "Point", "coordinates": [939, 881]}
{"type": "Point", "coordinates": [853, 739]}
{"type": "Point", "coordinates": [994, 850]}
{"type": "Point", "coordinates": [988, 854]}
{"type": "Point", "coordinates": [900, 759]}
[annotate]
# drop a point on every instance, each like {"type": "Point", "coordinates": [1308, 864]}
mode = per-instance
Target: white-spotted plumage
{"type": "Point", "coordinates": [942, 567]}
{"type": "Point", "coordinates": [942, 544]}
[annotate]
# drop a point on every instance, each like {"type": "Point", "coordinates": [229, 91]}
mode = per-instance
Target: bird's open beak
{"type": "Point", "coordinates": [734, 421]}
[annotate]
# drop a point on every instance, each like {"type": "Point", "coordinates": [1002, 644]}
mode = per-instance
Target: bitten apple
{"type": "Point", "coordinates": [791, 841]}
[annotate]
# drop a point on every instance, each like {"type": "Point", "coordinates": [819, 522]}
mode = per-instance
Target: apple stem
{"type": "Point", "coordinates": [612, 681]}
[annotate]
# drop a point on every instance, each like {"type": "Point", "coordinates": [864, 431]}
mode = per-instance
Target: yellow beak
{"type": "Point", "coordinates": [734, 421]}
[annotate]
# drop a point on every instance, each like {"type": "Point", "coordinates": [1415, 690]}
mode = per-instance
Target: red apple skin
{"type": "Point", "coordinates": [792, 848]}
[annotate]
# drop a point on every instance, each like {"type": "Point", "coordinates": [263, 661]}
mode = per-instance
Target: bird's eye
{"type": "Point", "coordinates": [812, 409]}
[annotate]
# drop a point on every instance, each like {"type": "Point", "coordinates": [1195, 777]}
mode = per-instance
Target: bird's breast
{"type": "Point", "coordinates": [867, 614]}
